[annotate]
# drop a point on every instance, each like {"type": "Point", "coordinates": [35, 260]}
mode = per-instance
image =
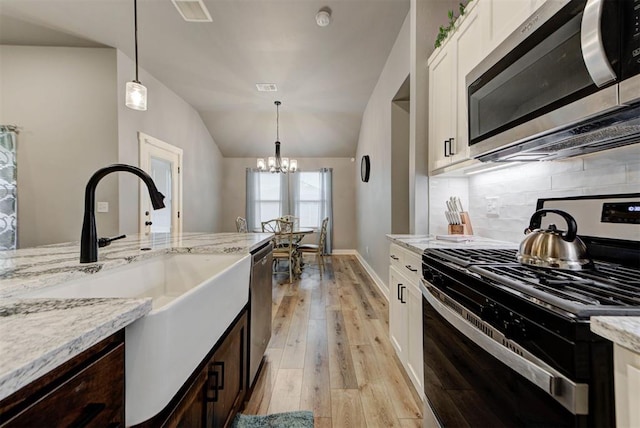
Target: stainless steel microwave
{"type": "Point", "coordinates": [566, 82]}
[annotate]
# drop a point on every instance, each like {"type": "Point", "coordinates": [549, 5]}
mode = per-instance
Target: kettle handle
{"type": "Point", "coordinates": [572, 230]}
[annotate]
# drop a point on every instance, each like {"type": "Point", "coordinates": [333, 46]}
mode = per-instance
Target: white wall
{"type": "Point", "coordinates": [69, 104]}
{"type": "Point", "coordinates": [170, 119]}
{"type": "Point", "coordinates": [373, 216]}
{"type": "Point", "coordinates": [518, 188]}
{"type": "Point", "coordinates": [344, 206]}
{"type": "Point", "coordinates": [63, 100]}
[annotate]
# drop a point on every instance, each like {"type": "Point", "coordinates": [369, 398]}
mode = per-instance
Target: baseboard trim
{"type": "Point", "coordinates": [344, 252]}
{"type": "Point", "coordinates": [372, 273]}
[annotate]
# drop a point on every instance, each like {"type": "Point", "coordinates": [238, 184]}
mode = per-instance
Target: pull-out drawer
{"type": "Point", "coordinates": [407, 262]}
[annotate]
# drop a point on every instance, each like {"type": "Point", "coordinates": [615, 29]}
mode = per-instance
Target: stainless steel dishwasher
{"type": "Point", "coordinates": [260, 302]}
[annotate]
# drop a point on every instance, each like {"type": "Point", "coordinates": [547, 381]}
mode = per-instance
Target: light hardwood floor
{"type": "Point", "coordinates": [330, 352]}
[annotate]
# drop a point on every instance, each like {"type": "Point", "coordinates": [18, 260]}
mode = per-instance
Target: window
{"type": "Point", "coordinates": [304, 194]}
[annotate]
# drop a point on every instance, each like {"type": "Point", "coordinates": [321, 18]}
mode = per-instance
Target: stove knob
{"type": "Point", "coordinates": [488, 312]}
{"type": "Point", "coordinates": [427, 274]}
{"type": "Point", "coordinates": [437, 280]}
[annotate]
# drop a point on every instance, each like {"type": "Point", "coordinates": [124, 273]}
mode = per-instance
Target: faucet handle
{"type": "Point", "coordinates": [103, 242]}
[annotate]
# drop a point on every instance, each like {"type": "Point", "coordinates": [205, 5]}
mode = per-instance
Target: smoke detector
{"type": "Point", "coordinates": [323, 17]}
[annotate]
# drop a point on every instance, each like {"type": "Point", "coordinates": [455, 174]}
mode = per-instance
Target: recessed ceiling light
{"type": "Point", "coordinates": [192, 10]}
{"type": "Point", "coordinates": [266, 87]}
{"type": "Point", "coordinates": [323, 17]}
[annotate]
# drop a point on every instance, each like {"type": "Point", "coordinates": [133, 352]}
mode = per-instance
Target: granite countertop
{"type": "Point", "coordinates": [419, 243]}
{"type": "Point", "coordinates": [624, 331]}
{"type": "Point", "coordinates": [37, 334]}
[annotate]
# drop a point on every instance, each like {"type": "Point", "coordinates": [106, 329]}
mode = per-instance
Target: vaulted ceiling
{"type": "Point", "coordinates": [324, 75]}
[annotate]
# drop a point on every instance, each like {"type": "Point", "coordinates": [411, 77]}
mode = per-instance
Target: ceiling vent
{"type": "Point", "coordinates": [266, 87]}
{"type": "Point", "coordinates": [192, 10]}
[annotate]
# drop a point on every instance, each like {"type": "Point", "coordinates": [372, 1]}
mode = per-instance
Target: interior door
{"type": "Point", "coordinates": [163, 162]}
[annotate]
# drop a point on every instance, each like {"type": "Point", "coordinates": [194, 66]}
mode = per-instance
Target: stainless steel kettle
{"type": "Point", "coordinates": [553, 248]}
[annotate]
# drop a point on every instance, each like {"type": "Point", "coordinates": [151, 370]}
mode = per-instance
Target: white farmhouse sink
{"type": "Point", "coordinates": [195, 298]}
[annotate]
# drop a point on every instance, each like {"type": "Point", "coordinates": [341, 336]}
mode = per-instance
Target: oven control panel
{"type": "Point", "coordinates": [621, 212]}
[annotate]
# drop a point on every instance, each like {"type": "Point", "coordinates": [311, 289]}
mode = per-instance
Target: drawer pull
{"type": "Point", "coordinates": [410, 268]}
{"type": "Point", "coordinates": [394, 257]}
{"type": "Point", "coordinates": [215, 382]}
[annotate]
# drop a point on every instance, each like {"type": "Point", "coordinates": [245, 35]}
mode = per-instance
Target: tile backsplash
{"type": "Point", "coordinates": [514, 191]}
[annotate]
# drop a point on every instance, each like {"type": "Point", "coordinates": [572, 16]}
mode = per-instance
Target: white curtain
{"type": "Point", "coordinates": [261, 187]}
{"type": "Point", "coordinates": [326, 205]}
{"type": "Point", "coordinates": [252, 204]}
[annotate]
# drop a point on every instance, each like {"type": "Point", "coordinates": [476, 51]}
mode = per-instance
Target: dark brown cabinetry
{"type": "Point", "coordinates": [215, 392]}
{"type": "Point", "coordinates": [88, 390]}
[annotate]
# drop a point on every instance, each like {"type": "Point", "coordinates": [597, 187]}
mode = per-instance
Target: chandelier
{"type": "Point", "coordinates": [276, 163]}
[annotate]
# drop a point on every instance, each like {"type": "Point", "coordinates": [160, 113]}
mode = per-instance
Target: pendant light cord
{"type": "Point", "coordinates": [278, 121]}
{"type": "Point", "coordinates": [135, 28]}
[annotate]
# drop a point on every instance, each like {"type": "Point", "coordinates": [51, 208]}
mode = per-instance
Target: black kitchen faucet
{"type": "Point", "coordinates": [89, 239]}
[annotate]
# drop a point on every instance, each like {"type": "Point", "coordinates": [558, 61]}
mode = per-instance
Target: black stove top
{"type": "Point", "coordinates": [607, 289]}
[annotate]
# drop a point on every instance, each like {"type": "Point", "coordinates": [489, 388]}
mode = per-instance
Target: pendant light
{"type": "Point", "coordinates": [136, 95]}
{"type": "Point", "coordinates": [277, 163]}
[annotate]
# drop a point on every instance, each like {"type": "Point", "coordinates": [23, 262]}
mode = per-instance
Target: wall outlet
{"type": "Point", "coordinates": [103, 207]}
{"type": "Point", "coordinates": [493, 206]}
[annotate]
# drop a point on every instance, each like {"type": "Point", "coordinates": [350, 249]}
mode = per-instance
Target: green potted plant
{"type": "Point", "coordinates": [444, 31]}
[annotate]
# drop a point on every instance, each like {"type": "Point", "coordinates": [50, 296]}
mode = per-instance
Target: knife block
{"type": "Point", "coordinates": [461, 229]}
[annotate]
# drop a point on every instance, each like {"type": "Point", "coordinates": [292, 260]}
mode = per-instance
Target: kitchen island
{"type": "Point", "coordinates": [38, 334]}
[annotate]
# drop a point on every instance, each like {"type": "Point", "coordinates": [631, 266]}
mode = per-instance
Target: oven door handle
{"type": "Point", "coordinates": [574, 397]}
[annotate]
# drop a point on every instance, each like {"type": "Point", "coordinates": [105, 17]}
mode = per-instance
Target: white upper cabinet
{"type": "Point", "coordinates": [442, 106]}
{"type": "Point", "coordinates": [448, 134]}
{"type": "Point", "coordinates": [483, 27]}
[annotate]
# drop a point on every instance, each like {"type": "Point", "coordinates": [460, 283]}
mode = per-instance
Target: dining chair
{"type": "Point", "coordinates": [293, 219]}
{"type": "Point", "coordinates": [271, 226]}
{"type": "Point", "coordinates": [241, 225]}
{"type": "Point", "coordinates": [317, 249]}
{"type": "Point", "coordinates": [285, 248]}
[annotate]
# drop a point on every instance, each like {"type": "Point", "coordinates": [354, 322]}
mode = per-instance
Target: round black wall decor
{"type": "Point", "coordinates": [365, 168]}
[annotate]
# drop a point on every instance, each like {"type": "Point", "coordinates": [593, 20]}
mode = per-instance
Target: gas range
{"type": "Point", "coordinates": [607, 289]}
{"type": "Point", "coordinates": [529, 326]}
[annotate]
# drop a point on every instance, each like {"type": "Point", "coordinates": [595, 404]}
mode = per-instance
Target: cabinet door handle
{"type": "Point", "coordinates": [394, 257]}
{"type": "Point", "coordinates": [446, 151]}
{"type": "Point", "coordinates": [452, 149]}
{"type": "Point", "coordinates": [88, 414]}
{"type": "Point", "coordinates": [410, 268]}
{"type": "Point", "coordinates": [402, 288]}
{"type": "Point", "coordinates": [215, 382]}
{"type": "Point", "coordinates": [399, 286]}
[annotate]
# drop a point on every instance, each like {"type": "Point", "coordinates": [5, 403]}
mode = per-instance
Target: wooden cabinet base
{"type": "Point", "coordinates": [88, 390]}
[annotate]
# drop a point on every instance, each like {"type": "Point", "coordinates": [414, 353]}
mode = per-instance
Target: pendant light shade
{"type": "Point", "coordinates": [136, 96]}
{"type": "Point", "coordinates": [136, 92]}
{"type": "Point", "coordinates": [277, 163]}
